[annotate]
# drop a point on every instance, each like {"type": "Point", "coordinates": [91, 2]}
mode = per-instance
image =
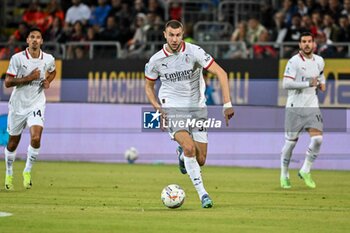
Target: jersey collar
{"type": "Point", "coordinates": [304, 58]}
{"type": "Point", "coordinates": [41, 55]}
{"type": "Point", "coordinates": [183, 46]}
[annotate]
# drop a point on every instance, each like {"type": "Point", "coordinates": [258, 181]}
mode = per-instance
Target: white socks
{"type": "Point", "coordinates": [312, 152]}
{"type": "Point", "coordinates": [31, 157]}
{"type": "Point", "coordinates": [194, 171]}
{"type": "Point", "coordinates": [9, 159]}
{"type": "Point", "coordinates": [285, 157]}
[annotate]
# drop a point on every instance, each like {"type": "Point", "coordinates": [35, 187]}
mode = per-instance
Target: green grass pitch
{"type": "Point", "coordinates": [95, 197]}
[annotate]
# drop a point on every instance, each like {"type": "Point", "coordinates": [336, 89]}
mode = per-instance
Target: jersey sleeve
{"type": "Point", "coordinates": [290, 71]}
{"type": "Point", "coordinates": [51, 66]}
{"type": "Point", "coordinates": [322, 78]}
{"type": "Point", "coordinates": [151, 72]}
{"type": "Point", "coordinates": [13, 67]}
{"type": "Point", "coordinates": [203, 58]}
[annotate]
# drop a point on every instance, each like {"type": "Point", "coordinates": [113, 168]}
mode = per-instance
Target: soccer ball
{"type": "Point", "coordinates": [173, 196]}
{"type": "Point", "coordinates": [131, 154]}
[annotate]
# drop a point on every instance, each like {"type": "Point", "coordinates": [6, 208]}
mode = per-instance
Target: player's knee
{"type": "Point", "coordinates": [189, 149]}
{"type": "Point", "coordinates": [12, 146]}
{"type": "Point", "coordinates": [35, 141]}
{"type": "Point", "coordinates": [289, 145]}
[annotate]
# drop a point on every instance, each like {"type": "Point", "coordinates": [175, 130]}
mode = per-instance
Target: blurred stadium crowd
{"type": "Point", "coordinates": [257, 26]}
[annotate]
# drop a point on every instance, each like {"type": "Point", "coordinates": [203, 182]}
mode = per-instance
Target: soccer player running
{"type": "Point", "coordinates": [179, 67]}
{"type": "Point", "coordinates": [29, 72]}
{"type": "Point", "coordinates": [303, 76]}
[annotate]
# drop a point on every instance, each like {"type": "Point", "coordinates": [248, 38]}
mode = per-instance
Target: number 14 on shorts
{"type": "Point", "coordinates": [37, 113]}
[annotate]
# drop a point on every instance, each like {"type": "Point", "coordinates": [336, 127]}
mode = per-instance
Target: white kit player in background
{"type": "Point", "coordinates": [179, 67]}
{"type": "Point", "coordinates": [303, 76]}
{"type": "Point", "coordinates": [29, 72]}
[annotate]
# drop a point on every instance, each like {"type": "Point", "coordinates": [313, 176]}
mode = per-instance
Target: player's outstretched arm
{"type": "Point", "coordinates": [11, 81]}
{"type": "Point", "coordinates": [222, 76]}
{"type": "Point", "coordinates": [151, 95]}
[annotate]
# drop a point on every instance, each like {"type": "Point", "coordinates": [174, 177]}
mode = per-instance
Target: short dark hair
{"type": "Point", "coordinates": [306, 34]}
{"type": "Point", "coordinates": [174, 24]}
{"type": "Point", "coordinates": [34, 29]}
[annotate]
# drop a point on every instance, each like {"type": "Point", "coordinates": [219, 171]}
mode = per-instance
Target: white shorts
{"type": "Point", "coordinates": [17, 123]}
{"type": "Point", "coordinates": [299, 119]}
{"type": "Point", "coordinates": [198, 134]}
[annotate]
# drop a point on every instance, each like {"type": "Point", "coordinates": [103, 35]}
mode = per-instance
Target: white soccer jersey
{"type": "Point", "coordinates": [301, 69]}
{"type": "Point", "coordinates": [181, 75]}
{"type": "Point", "coordinates": [26, 97]}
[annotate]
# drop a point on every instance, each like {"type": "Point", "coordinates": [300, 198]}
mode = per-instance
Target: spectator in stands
{"type": "Point", "coordinates": [293, 34]}
{"type": "Point", "coordinates": [237, 50]}
{"type": "Point", "coordinates": [317, 22]}
{"type": "Point", "coordinates": [188, 33]}
{"type": "Point", "coordinates": [136, 45]}
{"type": "Point", "coordinates": [111, 32]}
{"type": "Point", "coordinates": [266, 12]}
{"type": "Point", "coordinates": [330, 28]}
{"type": "Point", "coordinates": [324, 7]}
{"type": "Point", "coordinates": [155, 31]}
{"type": "Point", "coordinates": [121, 12]}
{"type": "Point", "coordinates": [312, 6]}
{"type": "Point", "coordinates": [302, 8]}
{"type": "Point", "coordinates": [344, 35]}
{"type": "Point", "coordinates": [264, 51]}
{"type": "Point", "coordinates": [21, 33]}
{"type": "Point", "coordinates": [295, 30]}
{"type": "Point", "coordinates": [77, 35]}
{"type": "Point", "coordinates": [279, 29]}
{"type": "Point", "coordinates": [138, 7]}
{"type": "Point", "coordinates": [10, 48]}
{"type": "Point", "coordinates": [154, 20]}
{"type": "Point", "coordinates": [91, 34]}
{"type": "Point", "coordinates": [154, 7]}
{"type": "Point", "coordinates": [255, 29]}
{"type": "Point", "coordinates": [346, 6]}
{"type": "Point", "coordinates": [99, 14]}
{"type": "Point", "coordinates": [306, 23]}
{"type": "Point", "coordinates": [335, 9]}
{"type": "Point", "coordinates": [53, 10]}
{"type": "Point", "coordinates": [66, 33]}
{"type": "Point", "coordinates": [78, 12]}
{"type": "Point", "coordinates": [34, 16]}
{"type": "Point", "coordinates": [116, 8]}
{"type": "Point", "coordinates": [324, 46]}
{"type": "Point", "coordinates": [289, 9]}
{"type": "Point", "coordinates": [55, 31]}
{"type": "Point", "coordinates": [175, 10]}
{"type": "Point", "coordinates": [80, 52]}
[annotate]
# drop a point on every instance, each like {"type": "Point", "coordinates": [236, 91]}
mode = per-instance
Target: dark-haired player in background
{"type": "Point", "coordinates": [29, 72]}
{"type": "Point", "coordinates": [302, 77]}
